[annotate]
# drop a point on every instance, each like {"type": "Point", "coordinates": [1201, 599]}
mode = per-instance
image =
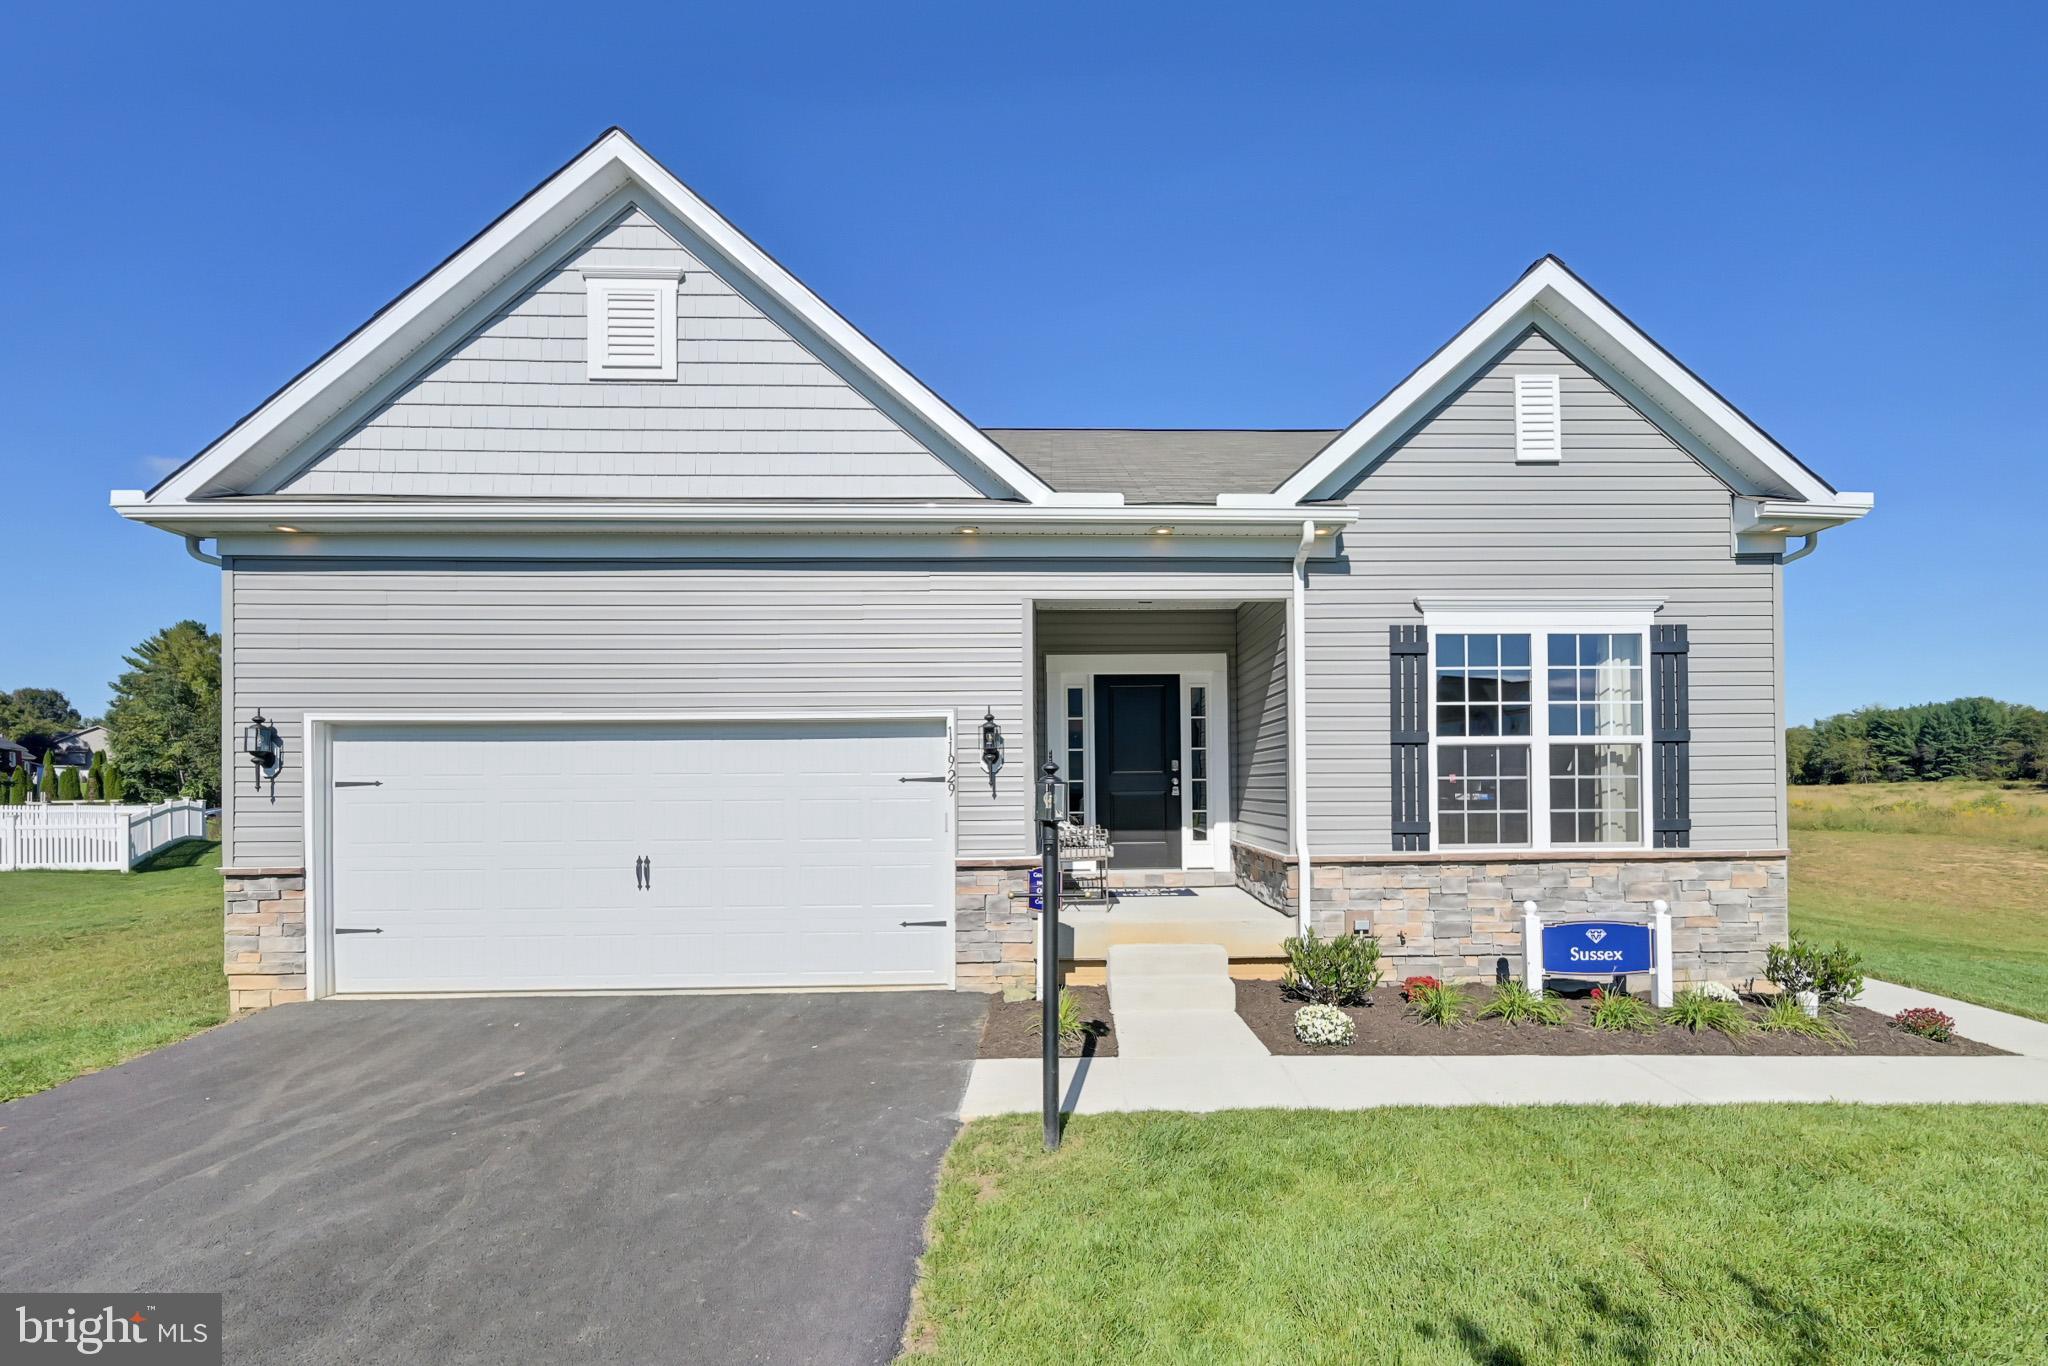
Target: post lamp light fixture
{"type": "Point", "coordinates": [991, 742]}
{"type": "Point", "coordinates": [260, 741]}
{"type": "Point", "coordinates": [1049, 950]}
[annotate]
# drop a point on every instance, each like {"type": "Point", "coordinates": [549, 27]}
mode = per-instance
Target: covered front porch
{"type": "Point", "coordinates": [1169, 723]}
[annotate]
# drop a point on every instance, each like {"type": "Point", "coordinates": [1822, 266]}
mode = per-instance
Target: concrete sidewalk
{"type": "Point", "coordinates": [1100, 1085]}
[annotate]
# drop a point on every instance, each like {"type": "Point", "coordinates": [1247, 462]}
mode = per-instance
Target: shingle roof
{"type": "Point", "coordinates": [1152, 466]}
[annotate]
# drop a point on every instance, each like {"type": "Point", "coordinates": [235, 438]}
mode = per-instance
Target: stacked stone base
{"type": "Point", "coordinates": [995, 933]}
{"type": "Point", "coordinates": [266, 937]}
{"type": "Point", "coordinates": [1463, 920]}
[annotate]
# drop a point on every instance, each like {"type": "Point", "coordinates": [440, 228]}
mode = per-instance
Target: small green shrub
{"type": "Point", "coordinates": [1514, 1003]}
{"type": "Point", "coordinates": [1835, 975]}
{"type": "Point", "coordinates": [67, 785]}
{"type": "Point", "coordinates": [1073, 1029]}
{"type": "Point", "coordinates": [116, 786]}
{"type": "Point", "coordinates": [1695, 1011]}
{"type": "Point", "coordinates": [1442, 1004]}
{"type": "Point", "coordinates": [1785, 1017]}
{"type": "Point", "coordinates": [1621, 1014]}
{"type": "Point", "coordinates": [1323, 1026]}
{"type": "Point", "coordinates": [1332, 972]}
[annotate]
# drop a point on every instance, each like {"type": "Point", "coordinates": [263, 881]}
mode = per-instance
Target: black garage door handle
{"type": "Point", "coordinates": [940, 923]}
{"type": "Point", "coordinates": [339, 930]}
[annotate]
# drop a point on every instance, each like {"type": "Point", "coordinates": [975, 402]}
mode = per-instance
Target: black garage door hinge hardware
{"type": "Point", "coordinates": [940, 923]}
{"type": "Point", "coordinates": [359, 782]}
{"type": "Point", "coordinates": [341, 930]}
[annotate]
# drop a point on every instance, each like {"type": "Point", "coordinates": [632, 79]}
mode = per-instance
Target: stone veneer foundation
{"type": "Point", "coordinates": [995, 931]}
{"type": "Point", "coordinates": [266, 936]}
{"type": "Point", "coordinates": [1460, 917]}
{"type": "Point", "coordinates": [1450, 917]}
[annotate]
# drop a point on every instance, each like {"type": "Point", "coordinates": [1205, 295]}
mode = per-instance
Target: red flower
{"type": "Point", "coordinates": [1598, 994]}
{"type": "Point", "coordinates": [1411, 985]}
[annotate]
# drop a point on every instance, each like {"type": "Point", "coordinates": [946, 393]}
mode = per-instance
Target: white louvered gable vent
{"type": "Point", "coordinates": [1539, 419]}
{"type": "Point", "coordinates": [632, 326]}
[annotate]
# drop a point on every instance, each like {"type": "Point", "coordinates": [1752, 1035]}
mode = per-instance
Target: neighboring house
{"type": "Point", "coordinates": [630, 620]}
{"type": "Point", "coordinates": [76, 748]}
{"type": "Point", "coordinates": [13, 756]}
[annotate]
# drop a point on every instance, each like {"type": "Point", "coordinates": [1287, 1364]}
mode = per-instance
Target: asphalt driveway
{"type": "Point", "coordinates": [620, 1179]}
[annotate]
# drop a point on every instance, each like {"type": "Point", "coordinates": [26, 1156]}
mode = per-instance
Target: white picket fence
{"type": "Point", "coordinates": [119, 837]}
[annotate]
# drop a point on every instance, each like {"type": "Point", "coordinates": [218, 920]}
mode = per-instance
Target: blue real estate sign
{"type": "Point", "coordinates": [1597, 948]}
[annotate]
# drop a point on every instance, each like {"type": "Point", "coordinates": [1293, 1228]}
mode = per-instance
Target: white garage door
{"type": "Point", "coordinates": [590, 857]}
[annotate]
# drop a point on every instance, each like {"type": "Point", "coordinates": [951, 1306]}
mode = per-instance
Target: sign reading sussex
{"type": "Point", "coordinates": [1597, 948]}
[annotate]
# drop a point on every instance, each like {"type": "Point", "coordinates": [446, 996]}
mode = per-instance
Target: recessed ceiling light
{"type": "Point", "coordinates": [970, 531]}
{"type": "Point", "coordinates": [1162, 531]}
{"type": "Point", "coordinates": [292, 529]}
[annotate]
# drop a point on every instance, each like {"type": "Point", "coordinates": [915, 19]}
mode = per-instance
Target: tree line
{"type": "Point", "coordinates": [1971, 737]}
{"type": "Point", "coordinates": [163, 727]}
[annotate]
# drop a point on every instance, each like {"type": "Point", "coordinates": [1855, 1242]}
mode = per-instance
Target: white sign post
{"type": "Point", "coordinates": [1660, 938]}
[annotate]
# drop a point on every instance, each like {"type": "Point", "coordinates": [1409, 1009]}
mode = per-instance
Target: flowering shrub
{"type": "Point", "coordinates": [1927, 1022]}
{"type": "Point", "coordinates": [1323, 1026]}
{"type": "Point", "coordinates": [1411, 985]}
{"type": "Point", "coordinates": [1437, 1004]}
{"type": "Point", "coordinates": [1719, 991]}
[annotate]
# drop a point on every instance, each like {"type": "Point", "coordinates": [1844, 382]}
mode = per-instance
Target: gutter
{"type": "Point", "coordinates": [233, 515]}
{"type": "Point", "coordinates": [1297, 725]}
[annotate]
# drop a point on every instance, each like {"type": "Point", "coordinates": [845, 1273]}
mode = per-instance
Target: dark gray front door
{"type": "Point", "coordinates": [1137, 767]}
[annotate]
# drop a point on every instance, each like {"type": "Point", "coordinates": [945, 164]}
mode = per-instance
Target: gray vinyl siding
{"type": "Point", "coordinates": [1258, 735]}
{"type": "Point", "coordinates": [681, 637]}
{"type": "Point", "coordinates": [509, 411]}
{"type": "Point", "coordinates": [1448, 511]}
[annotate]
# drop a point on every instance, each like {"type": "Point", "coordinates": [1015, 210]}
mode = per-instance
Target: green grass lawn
{"type": "Point", "coordinates": [97, 967]}
{"type": "Point", "coordinates": [1746, 1233]}
{"type": "Point", "coordinates": [1942, 886]}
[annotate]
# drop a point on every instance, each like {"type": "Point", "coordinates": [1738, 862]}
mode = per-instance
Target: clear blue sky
{"type": "Point", "coordinates": [1171, 215]}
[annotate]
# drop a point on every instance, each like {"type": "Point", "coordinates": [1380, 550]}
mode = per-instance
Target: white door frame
{"type": "Point", "coordinates": [1211, 671]}
{"type": "Point", "coordinates": [318, 729]}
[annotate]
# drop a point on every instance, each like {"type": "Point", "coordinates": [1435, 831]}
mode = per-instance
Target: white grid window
{"type": "Point", "coordinates": [1566, 770]}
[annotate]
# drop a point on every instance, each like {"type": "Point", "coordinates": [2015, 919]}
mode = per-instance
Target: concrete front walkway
{"type": "Point", "coordinates": [1100, 1085]}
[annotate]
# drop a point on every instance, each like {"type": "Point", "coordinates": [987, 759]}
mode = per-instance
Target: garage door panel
{"type": "Point", "coordinates": [502, 858]}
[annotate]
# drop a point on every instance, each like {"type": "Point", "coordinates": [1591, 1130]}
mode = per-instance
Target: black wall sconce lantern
{"type": "Point", "coordinates": [260, 741]}
{"type": "Point", "coordinates": [991, 742]}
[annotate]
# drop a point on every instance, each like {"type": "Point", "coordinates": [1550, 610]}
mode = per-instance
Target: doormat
{"type": "Point", "coordinates": [1122, 893]}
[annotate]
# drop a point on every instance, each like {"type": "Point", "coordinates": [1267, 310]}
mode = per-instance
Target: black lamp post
{"type": "Point", "coordinates": [1049, 948]}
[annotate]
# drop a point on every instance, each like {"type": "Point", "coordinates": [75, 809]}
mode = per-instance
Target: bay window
{"type": "Point", "coordinates": [1529, 757]}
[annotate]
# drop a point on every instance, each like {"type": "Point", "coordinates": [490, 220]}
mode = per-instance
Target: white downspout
{"type": "Point", "coordinates": [1812, 544]}
{"type": "Point", "coordinates": [1297, 725]}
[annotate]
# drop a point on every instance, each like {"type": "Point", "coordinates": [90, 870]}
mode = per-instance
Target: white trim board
{"type": "Point", "coordinates": [317, 735]}
{"type": "Point", "coordinates": [1211, 671]}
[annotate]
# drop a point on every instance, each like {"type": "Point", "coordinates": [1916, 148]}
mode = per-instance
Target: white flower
{"type": "Point", "coordinates": [1718, 991]}
{"type": "Point", "coordinates": [1323, 1025]}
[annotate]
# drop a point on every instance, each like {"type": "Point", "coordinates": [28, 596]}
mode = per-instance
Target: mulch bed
{"type": "Point", "coordinates": [1385, 1029]}
{"type": "Point", "coordinates": [1011, 1030]}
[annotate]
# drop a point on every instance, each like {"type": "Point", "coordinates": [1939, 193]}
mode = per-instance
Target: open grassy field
{"type": "Point", "coordinates": [1939, 886]}
{"type": "Point", "coordinates": [1750, 1233]}
{"type": "Point", "coordinates": [97, 967]}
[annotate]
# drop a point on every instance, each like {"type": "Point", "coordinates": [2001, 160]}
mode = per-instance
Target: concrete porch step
{"type": "Point", "coordinates": [1167, 960]}
{"type": "Point", "coordinates": [1190, 991]}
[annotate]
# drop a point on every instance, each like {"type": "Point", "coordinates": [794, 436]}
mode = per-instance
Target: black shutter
{"type": "Point", "coordinates": [1671, 735]}
{"type": "Point", "coordinates": [1408, 693]}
